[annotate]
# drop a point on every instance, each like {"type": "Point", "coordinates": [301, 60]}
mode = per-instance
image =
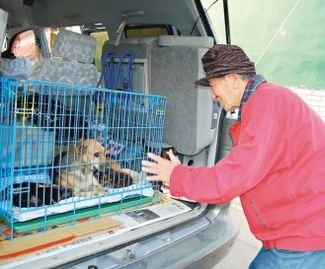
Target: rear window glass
{"type": "Point", "coordinates": [147, 31]}
{"type": "Point", "coordinates": [101, 38]}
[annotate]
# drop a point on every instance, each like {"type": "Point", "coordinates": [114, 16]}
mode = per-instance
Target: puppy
{"type": "Point", "coordinates": [32, 194]}
{"type": "Point", "coordinates": [77, 166]}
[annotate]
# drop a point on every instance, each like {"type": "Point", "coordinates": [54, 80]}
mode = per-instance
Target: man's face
{"type": "Point", "coordinates": [226, 91]}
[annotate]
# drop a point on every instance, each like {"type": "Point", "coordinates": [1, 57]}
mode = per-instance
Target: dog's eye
{"type": "Point", "coordinates": [96, 154]}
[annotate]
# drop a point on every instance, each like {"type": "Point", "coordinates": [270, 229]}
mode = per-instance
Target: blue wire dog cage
{"type": "Point", "coordinates": [72, 151]}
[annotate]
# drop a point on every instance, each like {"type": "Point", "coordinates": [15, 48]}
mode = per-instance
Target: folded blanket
{"type": "Point", "coordinates": [140, 187]}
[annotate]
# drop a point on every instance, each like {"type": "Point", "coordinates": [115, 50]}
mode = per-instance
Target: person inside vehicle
{"type": "Point", "coordinates": [276, 167]}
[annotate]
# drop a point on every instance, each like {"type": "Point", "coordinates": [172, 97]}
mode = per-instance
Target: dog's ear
{"type": "Point", "coordinates": [81, 147]}
{"type": "Point", "coordinates": [107, 153]}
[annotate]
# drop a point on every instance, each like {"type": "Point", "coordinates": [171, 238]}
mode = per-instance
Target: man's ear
{"type": "Point", "coordinates": [236, 80]}
{"type": "Point", "coordinates": [233, 79]}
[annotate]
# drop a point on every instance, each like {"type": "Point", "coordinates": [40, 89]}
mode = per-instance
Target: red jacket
{"type": "Point", "coordinates": [277, 167]}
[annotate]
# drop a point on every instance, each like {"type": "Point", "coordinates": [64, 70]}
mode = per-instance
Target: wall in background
{"type": "Point", "coordinates": [284, 38]}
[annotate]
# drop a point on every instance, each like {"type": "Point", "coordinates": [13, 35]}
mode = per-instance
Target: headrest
{"type": "Point", "coordinates": [74, 46]}
{"type": "Point", "coordinates": [185, 41]}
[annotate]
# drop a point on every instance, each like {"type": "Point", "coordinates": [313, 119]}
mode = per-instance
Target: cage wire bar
{"type": "Point", "coordinates": [72, 150]}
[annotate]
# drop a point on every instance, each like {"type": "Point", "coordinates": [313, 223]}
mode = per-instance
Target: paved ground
{"type": "Point", "coordinates": [245, 247]}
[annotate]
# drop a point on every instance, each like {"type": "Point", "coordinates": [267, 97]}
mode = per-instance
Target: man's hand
{"type": "Point", "coordinates": [160, 168]}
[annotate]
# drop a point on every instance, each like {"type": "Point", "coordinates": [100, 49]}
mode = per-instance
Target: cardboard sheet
{"type": "Point", "coordinates": [29, 244]}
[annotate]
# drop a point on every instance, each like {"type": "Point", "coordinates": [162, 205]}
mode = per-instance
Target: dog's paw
{"type": "Point", "coordinates": [134, 174]}
{"type": "Point", "coordinates": [102, 193]}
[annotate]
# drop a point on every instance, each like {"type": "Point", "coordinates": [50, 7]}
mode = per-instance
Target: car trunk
{"type": "Point", "coordinates": [133, 232]}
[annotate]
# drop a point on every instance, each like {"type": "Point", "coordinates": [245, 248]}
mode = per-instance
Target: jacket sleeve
{"type": "Point", "coordinates": [260, 147]}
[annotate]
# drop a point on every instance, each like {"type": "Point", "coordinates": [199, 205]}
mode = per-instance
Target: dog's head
{"type": "Point", "coordinates": [92, 153]}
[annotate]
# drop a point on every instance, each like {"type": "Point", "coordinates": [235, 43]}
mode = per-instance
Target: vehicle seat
{"type": "Point", "coordinates": [71, 61]}
{"type": "Point", "coordinates": [18, 67]}
{"type": "Point", "coordinates": [175, 65]}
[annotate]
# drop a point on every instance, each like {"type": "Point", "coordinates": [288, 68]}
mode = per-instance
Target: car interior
{"type": "Point", "coordinates": [76, 43]}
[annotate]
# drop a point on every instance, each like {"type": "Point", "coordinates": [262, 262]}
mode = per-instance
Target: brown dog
{"type": "Point", "coordinates": [77, 167]}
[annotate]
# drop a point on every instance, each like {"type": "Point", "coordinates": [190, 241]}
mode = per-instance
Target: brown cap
{"type": "Point", "coordinates": [221, 60]}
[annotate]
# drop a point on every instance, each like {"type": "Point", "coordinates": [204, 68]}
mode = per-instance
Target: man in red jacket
{"type": "Point", "coordinates": [277, 164]}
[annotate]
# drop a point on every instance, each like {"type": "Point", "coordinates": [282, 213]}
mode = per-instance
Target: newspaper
{"type": "Point", "coordinates": [166, 208]}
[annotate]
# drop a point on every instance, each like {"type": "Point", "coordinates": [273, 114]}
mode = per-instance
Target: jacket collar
{"type": "Point", "coordinates": [251, 86]}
